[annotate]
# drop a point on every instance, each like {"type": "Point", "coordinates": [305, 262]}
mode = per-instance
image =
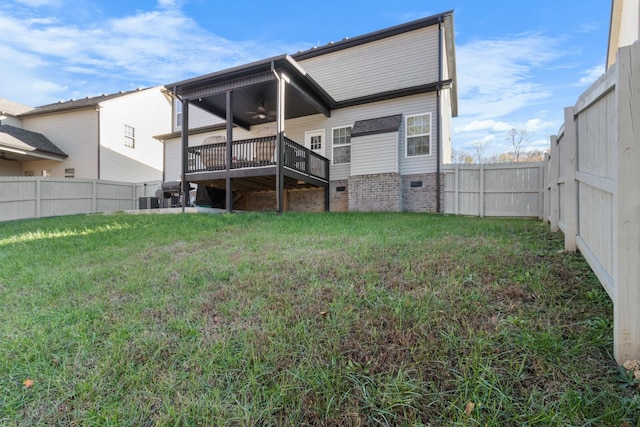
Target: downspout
{"type": "Point", "coordinates": [99, 140]}
{"type": "Point", "coordinates": [439, 114]}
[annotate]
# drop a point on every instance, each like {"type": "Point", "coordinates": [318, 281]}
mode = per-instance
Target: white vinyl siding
{"type": "Point", "coordinates": [409, 59]}
{"type": "Point", "coordinates": [374, 154]}
{"type": "Point", "coordinates": [144, 163]}
{"type": "Point", "coordinates": [75, 133]}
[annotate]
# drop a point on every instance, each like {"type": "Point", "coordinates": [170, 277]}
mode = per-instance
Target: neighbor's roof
{"type": "Point", "coordinates": [12, 108]}
{"type": "Point", "coordinates": [77, 104]}
{"type": "Point", "coordinates": [11, 136]}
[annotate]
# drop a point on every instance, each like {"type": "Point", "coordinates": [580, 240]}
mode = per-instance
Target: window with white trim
{"type": "Point", "coordinates": [129, 136]}
{"type": "Point", "coordinates": [178, 113]}
{"type": "Point", "coordinates": [341, 145]}
{"type": "Point", "coordinates": [418, 135]}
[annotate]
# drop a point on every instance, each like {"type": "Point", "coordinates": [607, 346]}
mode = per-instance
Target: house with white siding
{"type": "Point", "coordinates": [107, 137]}
{"type": "Point", "coordinates": [363, 124]}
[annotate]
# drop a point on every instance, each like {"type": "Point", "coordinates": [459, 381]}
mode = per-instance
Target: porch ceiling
{"type": "Point", "coordinates": [256, 85]}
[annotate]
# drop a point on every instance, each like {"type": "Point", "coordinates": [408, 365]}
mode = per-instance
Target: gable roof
{"type": "Point", "coordinates": [26, 140]}
{"type": "Point", "coordinates": [76, 104]}
{"type": "Point", "coordinates": [12, 108]}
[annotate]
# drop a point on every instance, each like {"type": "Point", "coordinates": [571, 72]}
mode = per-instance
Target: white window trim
{"type": "Point", "coordinates": [339, 145]}
{"type": "Point", "coordinates": [307, 140]}
{"type": "Point", "coordinates": [177, 113]}
{"type": "Point", "coordinates": [406, 136]}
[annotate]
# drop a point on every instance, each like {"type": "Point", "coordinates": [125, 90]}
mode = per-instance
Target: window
{"type": "Point", "coordinates": [341, 145]}
{"type": "Point", "coordinates": [418, 133]}
{"type": "Point", "coordinates": [178, 115]}
{"type": "Point", "coordinates": [28, 173]}
{"type": "Point", "coordinates": [46, 173]}
{"type": "Point", "coordinates": [129, 136]}
{"type": "Point", "coordinates": [70, 173]}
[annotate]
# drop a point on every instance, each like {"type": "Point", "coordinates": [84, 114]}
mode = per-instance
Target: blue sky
{"type": "Point", "coordinates": [519, 62]}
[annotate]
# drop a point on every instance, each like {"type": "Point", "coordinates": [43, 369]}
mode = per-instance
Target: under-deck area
{"type": "Point", "coordinates": [251, 166]}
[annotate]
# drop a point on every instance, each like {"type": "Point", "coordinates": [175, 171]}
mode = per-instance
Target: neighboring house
{"type": "Point", "coordinates": [624, 28]}
{"type": "Point", "coordinates": [362, 124]}
{"type": "Point", "coordinates": [108, 137]}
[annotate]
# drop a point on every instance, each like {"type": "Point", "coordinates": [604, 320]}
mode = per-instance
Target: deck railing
{"type": "Point", "coordinates": [256, 152]}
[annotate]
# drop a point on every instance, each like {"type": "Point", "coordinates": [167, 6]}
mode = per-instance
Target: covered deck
{"type": "Point", "coordinates": [254, 166]}
{"type": "Point", "coordinates": [272, 90]}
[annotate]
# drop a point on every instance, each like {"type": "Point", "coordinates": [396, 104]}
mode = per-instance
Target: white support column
{"type": "Point", "coordinates": [626, 258]}
{"type": "Point", "coordinates": [570, 162]}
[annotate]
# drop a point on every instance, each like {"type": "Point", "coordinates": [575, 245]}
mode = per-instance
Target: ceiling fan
{"type": "Point", "coordinates": [9, 159]}
{"type": "Point", "coordinates": [261, 113]}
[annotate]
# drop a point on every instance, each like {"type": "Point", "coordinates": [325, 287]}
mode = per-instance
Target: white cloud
{"type": "Point", "coordinates": [495, 76]}
{"type": "Point", "coordinates": [537, 125]}
{"type": "Point", "coordinates": [144, 49]}
{"type": "Point", "coordinates": [489, 125]}
{"type": "Point", "coordinates": [591, 75]}
{"type": "Point", "coordinates": [39, 3]}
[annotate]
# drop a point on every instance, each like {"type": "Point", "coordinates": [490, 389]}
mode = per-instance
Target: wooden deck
{"type": "Point", "coordinates": [253, 166]}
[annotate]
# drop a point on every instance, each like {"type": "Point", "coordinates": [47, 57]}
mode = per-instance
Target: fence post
{"type": "Point", "coordinates": [481, 198]}
{"type": "Point", "coordinates": [544, 190]}
{"type": "Point", "coordinates": [38, 198]}
{"type": "Point", "coordinates": [553, 184]}
{"type": "Point", "coordinates": [456, 184]}
{"type": "Point", "coordinates": [570, 202]}
{"type": "Point", "coordinates": [626, 252]}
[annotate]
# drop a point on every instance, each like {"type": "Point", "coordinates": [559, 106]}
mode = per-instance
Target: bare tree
{"type": "Point", "coordinates": [461, 157]}
{"type": "Point", "coordinates": [518, 138]}
{"type": "Point", "coordinates": [480, 147]}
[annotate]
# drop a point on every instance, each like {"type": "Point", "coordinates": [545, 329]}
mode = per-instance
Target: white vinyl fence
{"type": "Point", "coordinates": [36, 197]}
{"type": "Point", "coordinates": [507, 190]}
{"type": "Point", "coordinates": [594, 185]}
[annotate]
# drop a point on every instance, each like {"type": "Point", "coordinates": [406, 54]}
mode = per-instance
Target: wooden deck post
{"type": "Point", "coordinates": [626, 252]}
{"type": "Point", "coordinates": [280, 144]}
{"type": "Point", "coordinates": [570, 164]}
{"type": "Point", "coordinates": [185, 146]}
{"type": "Point", "coordinates": [229, 157]}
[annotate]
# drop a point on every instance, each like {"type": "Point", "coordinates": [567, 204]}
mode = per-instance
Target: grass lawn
{"type": "Point", "coordinates": [303, 319]}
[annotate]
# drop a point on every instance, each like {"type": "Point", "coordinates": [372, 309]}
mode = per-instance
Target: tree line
{"type": "Point", "coordinates": [518, 140]}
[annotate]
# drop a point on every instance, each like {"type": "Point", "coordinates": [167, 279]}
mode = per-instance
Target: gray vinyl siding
{"type": "Point", "coordinates": [420, 164]}
{"type": "Point", "coordinates": [75, 133]}
{"type": "Point", "coordinates": [374, 154]}
{"type": "Point", "coordinates": [409, 105]}
{"type": "Point", "coordinates": [409, 59]}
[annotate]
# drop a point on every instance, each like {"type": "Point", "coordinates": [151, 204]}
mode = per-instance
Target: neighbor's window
{"type": "Point", "coordinates": [341, 145]}
{"type": "Point", "coordinates": [46, 173]}
{"type": "Point", "coordinates": [178, 110]}
{"type": "Point", "coordinates": [28, 173]}
{"type": "Point", "coordinates": [418, 135]}
{"type": "Point", "coordinates": [129, 136]}
{"type": "Point", "coordinates": [70, 173]}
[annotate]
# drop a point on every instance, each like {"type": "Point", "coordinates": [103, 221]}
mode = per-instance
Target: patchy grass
{"type": "Point", "coordinates": [303, 319]}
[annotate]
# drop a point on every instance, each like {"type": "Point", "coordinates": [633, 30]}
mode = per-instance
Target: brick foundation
{"type": "Point", "coordinates": [380, 192]}
{"type": "Point", "coordinates": [419, 192]}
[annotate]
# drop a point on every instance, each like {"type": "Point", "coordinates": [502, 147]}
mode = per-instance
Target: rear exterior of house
{"type": "Point", "coordinates": [391, 96]}
{"type": "Point", "coordinates": [108, 137]}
